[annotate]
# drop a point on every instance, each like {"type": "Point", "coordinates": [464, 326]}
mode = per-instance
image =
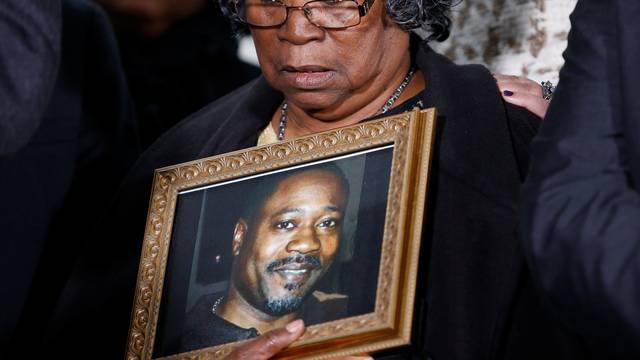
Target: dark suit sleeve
{"type": "Point", "coordinates": [581, 216]}
{"type": "Point", "coordinates": [523, 126]}
{"type": "Point", "coordinates": [29, 58]}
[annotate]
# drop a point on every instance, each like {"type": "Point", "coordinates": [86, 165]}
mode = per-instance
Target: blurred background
{"type": "Point", "coordinates": [178, 55]}
{"type": "Point", "coordinates": [516, 37]}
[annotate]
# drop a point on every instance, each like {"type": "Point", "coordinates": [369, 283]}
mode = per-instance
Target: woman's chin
{"type": "Point", "coordinates": [315, 102]}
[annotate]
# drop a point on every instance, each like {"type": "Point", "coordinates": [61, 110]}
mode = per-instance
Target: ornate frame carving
{"type": "Point", "coordinates": [412, 135]}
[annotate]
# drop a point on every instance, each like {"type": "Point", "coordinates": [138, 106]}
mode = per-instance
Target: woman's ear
{"type": "Point", "coordinates": [239, 234]}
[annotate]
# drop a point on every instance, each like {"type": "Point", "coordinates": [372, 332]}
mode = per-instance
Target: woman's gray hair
{"type": "Point", "coordinates": [428, 18]}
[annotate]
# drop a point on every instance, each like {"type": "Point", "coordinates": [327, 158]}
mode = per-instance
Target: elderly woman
{"type": "Point", "coordinates": [331, 63]}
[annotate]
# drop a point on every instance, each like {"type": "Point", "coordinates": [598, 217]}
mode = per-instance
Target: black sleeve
{"type": "Point", "coordinates": [29, 58]}
{"type": "Point", "coordinates": [104, 145]}
{"type": "Point", "coordinates": [523, 126]}
{"type": "Point", "coordinates": [580, 216]}
{"type": "Point", "coordinates": [109, 136]}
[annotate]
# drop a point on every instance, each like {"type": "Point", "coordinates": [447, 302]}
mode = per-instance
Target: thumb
{"type": "Point", "coordinates": [267, 345]}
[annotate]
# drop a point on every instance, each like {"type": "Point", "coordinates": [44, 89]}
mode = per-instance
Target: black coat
{"type": "Point", "coordinates": [581, 219]}
{"type": "Point", "coordinates": [29, 57]}
{"type": "Point", "coordinates": [59, 173]}
{"type": "Point", "coordinates": [475, 299]}
{"type": "Point", "coordinates": [30, 54]}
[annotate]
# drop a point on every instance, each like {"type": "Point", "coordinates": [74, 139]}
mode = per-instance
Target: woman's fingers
{"type": "Point", "coordinates": [267, 345]}
{"type": "Point", "coordinates": [518, 84]}
{"type": "Point", "coordinates": [534, 103]}
{"type": "Point", "coordinates": [523, 92]}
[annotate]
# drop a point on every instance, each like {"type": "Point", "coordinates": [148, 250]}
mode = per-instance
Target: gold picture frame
{"type": "Point", "coordinates": [407, 138]}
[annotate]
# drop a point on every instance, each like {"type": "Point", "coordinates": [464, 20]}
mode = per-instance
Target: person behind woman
{"type": "Point", "coordinates": [328, 64]}
{"type": "Point", "coordinates": [581, 204]}
{"type": "Point", "coordinates": [66, 129]}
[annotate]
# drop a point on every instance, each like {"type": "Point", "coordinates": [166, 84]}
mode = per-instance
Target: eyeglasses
{"type": "Point", "coordinates": [328, 14]}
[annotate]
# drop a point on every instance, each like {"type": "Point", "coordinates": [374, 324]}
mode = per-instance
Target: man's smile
{"type": "Point", "coordinates": [294, 271]}
{"type": "Point", "coordinates": [294, 278]}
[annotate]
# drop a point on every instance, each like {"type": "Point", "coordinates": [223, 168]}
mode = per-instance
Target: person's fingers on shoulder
{"type": "Point", "coordinates": [267, 345]}
{"type": "Point", "coordinates": [505, 78]}
{"type": "Point", "coordinates": [504, 81]}
{"type": "Point", "coordinates": [534, 103]}
{"type": "Point", "coordinates": [521, 85]}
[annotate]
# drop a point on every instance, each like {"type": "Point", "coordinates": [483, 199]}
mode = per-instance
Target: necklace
{"type": "Point", "coordinates": [214, 308]}
{"type": "Point", "coordinates": [386, 107]}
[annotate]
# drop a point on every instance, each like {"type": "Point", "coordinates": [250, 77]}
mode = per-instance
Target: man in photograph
{"type": "Point", "coordinates": [284, 241]}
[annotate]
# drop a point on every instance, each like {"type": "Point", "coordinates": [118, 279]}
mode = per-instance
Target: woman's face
{"type": "Point", "coordinates": [332, 72]}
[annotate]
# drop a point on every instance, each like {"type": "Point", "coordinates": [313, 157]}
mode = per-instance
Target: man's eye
{"type": "Point", "coordinates": [329, 223]}
{"type": "Point", "coordinates": [285, 225]}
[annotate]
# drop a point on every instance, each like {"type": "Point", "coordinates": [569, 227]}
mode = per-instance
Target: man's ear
{"type": "Point", "coordinates": [239, 234]}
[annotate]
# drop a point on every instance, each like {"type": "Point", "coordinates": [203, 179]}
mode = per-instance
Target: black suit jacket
{"type": "Point", "coordinates": [56, 184]}
{"type": "Point", "coordinates": [581, 219]}
{"type": "Point", "coordinates": [474, 298]}
{"type": "Point", "coordinates": [30, 53]}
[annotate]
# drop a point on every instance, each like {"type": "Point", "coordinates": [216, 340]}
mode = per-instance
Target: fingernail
{"type": "Point", "coordinates": [294, 326]}
{"type": "Point", "coordinates": [508, 93]}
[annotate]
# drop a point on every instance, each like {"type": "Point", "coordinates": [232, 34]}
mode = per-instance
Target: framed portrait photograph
{"type": "Point", "coordinates": [325, 228]}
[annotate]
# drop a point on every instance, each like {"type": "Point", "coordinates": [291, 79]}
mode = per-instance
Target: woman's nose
{"type": "Point", "coordinates": [298, 29]}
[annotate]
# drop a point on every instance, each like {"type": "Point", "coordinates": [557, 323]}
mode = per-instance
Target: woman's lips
{"type": "Point", "coordinates": [307, 77]}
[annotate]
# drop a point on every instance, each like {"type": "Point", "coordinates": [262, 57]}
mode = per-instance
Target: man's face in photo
{"type": "Point", "coordinates": [291, 243]}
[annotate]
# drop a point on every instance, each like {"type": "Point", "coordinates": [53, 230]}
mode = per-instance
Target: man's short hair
{"type": "Point", "coordinates": [257, 194]}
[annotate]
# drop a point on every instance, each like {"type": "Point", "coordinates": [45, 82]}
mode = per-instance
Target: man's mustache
{"type": "Point", "coordinates": [312, 260]}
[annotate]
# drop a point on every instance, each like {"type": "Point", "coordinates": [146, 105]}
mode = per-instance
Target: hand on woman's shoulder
{"type": "Point", "coordinates": [523, 92]}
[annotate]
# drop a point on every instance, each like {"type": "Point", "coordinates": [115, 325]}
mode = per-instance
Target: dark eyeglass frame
{"type": "Point", "coordinates": [363, 9]}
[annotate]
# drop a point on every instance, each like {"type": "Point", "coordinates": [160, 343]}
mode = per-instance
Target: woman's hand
{"type": "Point", "coordinates": [523, 92]}
{"type": "Point", "coordinates": [269, 344]}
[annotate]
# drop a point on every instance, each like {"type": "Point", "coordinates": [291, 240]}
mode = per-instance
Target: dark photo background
{"type": "Point", "coordinates": [200, 254]}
